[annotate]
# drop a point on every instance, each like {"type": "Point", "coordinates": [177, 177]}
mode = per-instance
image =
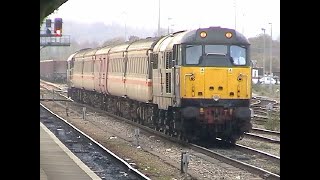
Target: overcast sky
{"type": "Point", "coordinates": [251, 15]}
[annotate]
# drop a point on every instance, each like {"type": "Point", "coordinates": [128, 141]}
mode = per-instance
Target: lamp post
{"type": "Point", "coordinates": [270, 56]}
{"type": "Point", "coordinates": [169, 24]}
{"type": "Point", "coordinates": [235, 14]}
{"type": "Point", "coordinates": [125, 24]}
{"type": "Point", "coordinates": [171, 29]}
{"type": "Point", "coordinates": [159, 21]}
{"type": "Point", "coordinates": [264, 51]}
{"type": "Point", "coordinates": [243, 15]}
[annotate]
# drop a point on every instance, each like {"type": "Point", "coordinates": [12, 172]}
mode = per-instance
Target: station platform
{"type": "Point", "coordinates": [57, 162]}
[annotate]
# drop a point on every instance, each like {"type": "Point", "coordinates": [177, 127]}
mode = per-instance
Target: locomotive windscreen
{"type": "Point", "coordinates": [215, 55]}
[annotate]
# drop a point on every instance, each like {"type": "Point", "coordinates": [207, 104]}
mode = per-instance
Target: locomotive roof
{"type": "Point", "coordinates": [214, 35]}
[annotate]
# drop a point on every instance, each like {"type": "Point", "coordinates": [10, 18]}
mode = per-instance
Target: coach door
{"type": "Point", "coordinates": [103, 74]}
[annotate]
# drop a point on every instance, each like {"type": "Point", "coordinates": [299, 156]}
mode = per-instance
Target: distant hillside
{"type": "Point", "coordinates": [99, 32]}
{"type": "Point", "coordinates": [94, 35]}
{"type": "Point", "coordinates": [90, 36]}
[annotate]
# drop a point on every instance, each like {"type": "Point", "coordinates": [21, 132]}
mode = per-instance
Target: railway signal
{"type": "Point", "coordinates": [48, 23]}
{"type": "Point", "coordinates": [51, 35]}
{"type": "Point", "coordinates": [58, 26]}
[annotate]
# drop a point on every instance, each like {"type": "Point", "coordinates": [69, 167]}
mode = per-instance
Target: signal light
{"type": "Point", "coordinates": [58, 33]}
{"type": "Point", "coordinates": [58, 26]}
{"type": "Point", "coordinates": [48, 23]}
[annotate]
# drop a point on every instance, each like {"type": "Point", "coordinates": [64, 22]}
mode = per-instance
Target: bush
{"type": "Point", "coordinates": [273, 123]}
{"type": "Point", "coordinates": [264, 90]}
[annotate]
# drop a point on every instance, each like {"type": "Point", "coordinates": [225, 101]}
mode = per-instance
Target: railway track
{"type": "Point", "coordinates": [217, 153]}
{"type": "Point", "coordinates": [266, 114]}
{"type": "Point", "coordinates": [102, 161]}
{"type": "Point", "coordinates": [260, 105]}
{"type": "Point", "coordinates": [235, 156]}
{"type": "Point", "coordinates": [264, 135]}
{"type": "Point", "coordinates": [265, 131]}
{"type": "Point", "coordinates": [263, 138]}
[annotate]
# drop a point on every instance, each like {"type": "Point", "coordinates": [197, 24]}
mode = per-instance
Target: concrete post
{"type": "Point", "coordinates": [184, 162]}
{"type": "Point", "coordinates": [136, 136]}
{"type": "Point", "coordinates": [84, 113]}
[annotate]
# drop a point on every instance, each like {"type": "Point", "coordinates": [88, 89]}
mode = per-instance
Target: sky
{"type": "Point", "coordinates": [246, 16]}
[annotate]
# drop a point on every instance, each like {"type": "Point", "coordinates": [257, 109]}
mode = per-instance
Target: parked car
{"type": "Point", "coordinates": [255, 80]}
{"type": "Point", "coordinates": [268, 80]}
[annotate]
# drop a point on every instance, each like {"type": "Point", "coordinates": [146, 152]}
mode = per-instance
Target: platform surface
{"type": "Point", "coordinates": [57, 162]}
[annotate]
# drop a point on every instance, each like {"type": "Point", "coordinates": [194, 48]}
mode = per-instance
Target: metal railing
{"type": "Point", "coordinates": [52, 40]}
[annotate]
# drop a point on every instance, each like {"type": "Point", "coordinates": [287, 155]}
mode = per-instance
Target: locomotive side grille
{"type": "Point", "coordinates": [168, 60]}
{"type": "Point", "coordinates": [168, 82]}
{"type": "Point", "coordinates": [154, 58]}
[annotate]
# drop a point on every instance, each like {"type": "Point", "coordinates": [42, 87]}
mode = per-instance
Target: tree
{"type": "Point", "coordinates": [133, 38]}
{"type": "Point", "coordinates": [114, 41]}
{"type": "Point", "coordinates": [257, 52]}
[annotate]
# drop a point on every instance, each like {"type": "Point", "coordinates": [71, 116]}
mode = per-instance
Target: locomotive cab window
{"type": "Point", "coordinates": [238, 55]}
{"type": "Point", "coordinates": [176, 56]}
{"type": "Point", "coordinates": [193, 53]}
{"type": "Point", "coordinates": [207, 55]}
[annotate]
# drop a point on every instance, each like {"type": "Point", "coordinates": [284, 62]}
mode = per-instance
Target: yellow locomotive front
{"type": "Point", "coordinates": [213, 78]}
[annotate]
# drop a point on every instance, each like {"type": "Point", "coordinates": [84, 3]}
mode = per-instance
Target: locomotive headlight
{"type": "Point", "coordinates": [216, 97]}
{"type": "Point", "coordinates": [228, 35]}
{"type": "Point", "coordinates": [203, 34]}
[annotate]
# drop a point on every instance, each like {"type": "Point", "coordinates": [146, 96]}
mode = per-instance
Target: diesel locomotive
{"type": "Point", "coordinates": [193, 84]}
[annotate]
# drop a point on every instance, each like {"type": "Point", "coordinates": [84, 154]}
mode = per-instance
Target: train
{"type": "Point", "coordinates": [193, 84]}
{"type": "Point", "coordinates": [54, 70]}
